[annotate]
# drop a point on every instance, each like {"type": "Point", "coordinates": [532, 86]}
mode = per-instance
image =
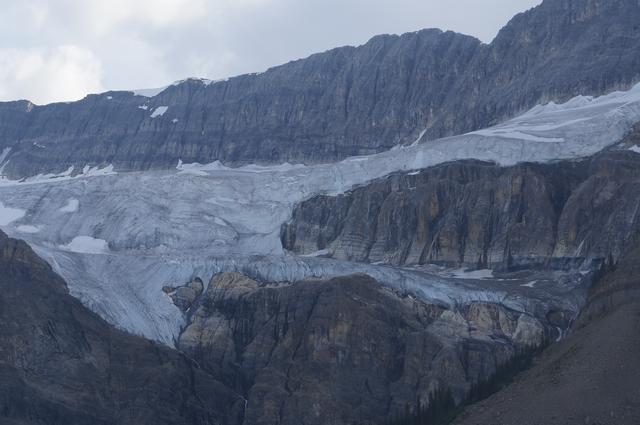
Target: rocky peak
{"type": "Point", "coordinates": [347, 101]}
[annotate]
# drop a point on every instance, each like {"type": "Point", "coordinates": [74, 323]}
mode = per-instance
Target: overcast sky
{"type": "Point", "coordinates": [57, 50]}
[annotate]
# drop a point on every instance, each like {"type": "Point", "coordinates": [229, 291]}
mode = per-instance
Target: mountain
{"type": "Point", "coordinates": [480, 215]}
{"type": "Point", "coordinates": [305, 352]}
{"type": "Point", "coordinates": [118, 238]}
{"type": "Point", "coordinates": [62, 364]}
{"type": "Point", "coordinates": [344, 102]}
{"type": "Point", "coordinates": [275, 345]}
{"type": "Point", "coordinates": [392, 287]}
{"type": "Point", "coordinates": [589, 378]}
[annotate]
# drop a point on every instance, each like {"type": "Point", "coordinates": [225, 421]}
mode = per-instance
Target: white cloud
{"type": "Point", "coordinates": [60, 74]}
{"type": "Point", "coordinates": [102, 17]}
{"type": "Point", "coordinates": [125, 44]}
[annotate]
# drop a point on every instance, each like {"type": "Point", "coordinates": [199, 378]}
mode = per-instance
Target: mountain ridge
{"type": "Point", "coordinates": [345, 102]}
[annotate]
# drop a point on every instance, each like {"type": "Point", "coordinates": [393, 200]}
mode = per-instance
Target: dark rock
{"type": "Point", "coordinates": [591, 376]}
{"type": "Point", "coordinates": [184, 296]}
{"type": "Point", "coordinates": [344, 350]}
{"type": "Point", "coordinates": [62, 364]}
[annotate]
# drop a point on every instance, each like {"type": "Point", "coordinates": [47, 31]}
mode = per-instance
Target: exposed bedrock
{"type": "Point", "coordinates": [62, 364]}
{"type": "Point", "coordinates": [479, 214]}
{"type": "Point", "coordinates": [591, 377]}
{"type": "Point", "coordinates": [345, 350]}
{"type": "Point", "coordinates": [347, 101]}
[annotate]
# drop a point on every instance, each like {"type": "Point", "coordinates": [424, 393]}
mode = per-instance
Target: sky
{"type": "Point", "coordinates": [62, 50]}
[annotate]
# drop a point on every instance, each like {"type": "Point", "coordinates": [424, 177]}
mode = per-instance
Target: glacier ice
{"type": "Point", "coordinates": [117, 238]}
{"type": "Point", "coordinates": [9, 215]}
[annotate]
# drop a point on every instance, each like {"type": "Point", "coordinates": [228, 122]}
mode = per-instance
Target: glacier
{"type": "Point", "coordinates": [118, 237]}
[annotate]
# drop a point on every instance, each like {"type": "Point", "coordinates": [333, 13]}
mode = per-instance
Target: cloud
{"type": "Point", "coordinates": [103, 17]}
{"type": "Point", "coordinates": [125, 44]}
{"type": "Point", "coordinates": [64, 73]}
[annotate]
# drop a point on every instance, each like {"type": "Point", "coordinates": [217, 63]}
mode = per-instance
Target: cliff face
{"type": "Point", "coordinates": [345, 350]}
{"type": "Point", "coordinates": [62, 364]}
{"type": "Point", "coordinates": [336, 351]}
{"type": "Point", "coordinates": [347, 101]}
{"type": "Point", "coordinates": [480, 214]}
{"type": "Point", "coordinates": [592, 376]}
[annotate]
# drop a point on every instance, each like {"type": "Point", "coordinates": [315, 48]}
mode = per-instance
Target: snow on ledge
{"type": "Point", "coordinates": [87, 171]}
{"type": "Point", "coordinates": [148, 92]}
{"type": "Point", "coordinates": [71, 206]}
{"type": "Point", "coordinates": [27, 228]}
{"type": "Point", "coordinates": [87, 245]}
{"type": "Point", "coordinates": [9, 215]}
{"type": "Point", "coordinates": [159, 111]}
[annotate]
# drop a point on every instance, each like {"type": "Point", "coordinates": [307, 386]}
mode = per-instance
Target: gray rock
{"type": "Point", "coordinates": [479, 214]}
{"type": "Point", "coordinates": [184, 296]}
{"type": "Point", "coordinates": [593, 373]}
{"type": "Point", "coordinates": [62, 364]}
{"type": "Point", "coordinates": [347, 101]}
{"type": "Point", "coordinates": [345, 350]}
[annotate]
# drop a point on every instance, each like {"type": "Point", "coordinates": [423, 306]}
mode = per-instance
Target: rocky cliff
{"type": "Point", "coordinates": [251, 353]}
{"type": "Point", "coordinates": [479, 214]}
{"type": "Point", "coordinates": [62, 364]}
{"type": "Point", "coordinates": [589, 378]}
{"type": "Point", "coordinates": [347, 101]}
{"type": "Point", "coordinates": [345, 350]}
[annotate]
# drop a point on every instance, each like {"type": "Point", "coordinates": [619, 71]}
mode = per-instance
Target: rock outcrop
{"type": "Point", "coordinates": [345, 350]}
{"type": "Point", "coordinates": [347, 101]}
{"type": "Point", "coordinates": [592, 376]}
{"type": "Point", "coordinates": [184, 296]}
{"type": "Point", "coordinates": [62, 364]}
{"type": "Point", "coordinates": [479, 214]}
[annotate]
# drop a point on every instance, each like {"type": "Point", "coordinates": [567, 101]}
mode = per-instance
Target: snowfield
{"type": "Point", "coordinates": [117, 238]}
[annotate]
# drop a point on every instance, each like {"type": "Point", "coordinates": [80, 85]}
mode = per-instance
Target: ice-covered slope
{"type": "Point", "coordinates": [118, 238]}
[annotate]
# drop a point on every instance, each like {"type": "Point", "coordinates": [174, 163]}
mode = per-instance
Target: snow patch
{"type": "Point", "coordinates": [203, 81]}
{"type": "Point", "coordinates": [473, 274]}
{"type": "Point", "coordinates": [87, 171]}
{"type": "Point", "coordinates": [96, 171]}
{"type": "Point", "coordinates": [635, 149]}
{"type": "Point", "coordinates": [143, 107]}
{"type": "Point", "coordinates": [50, 176]}
{"type": "Point", "coordinates": [319, 253]}
{"type": "Point", "coordinates": [159, 111]}
{"type": "Point", "coordinates": [71, 206]}
{"type": "Point", "coordinates": [216, 166]}
{"type": "Point", "coordinates": [27, 228]}
{"type": "Point", "coordinates": [220, 222]}
{"type": "Point", "coordinates": [149, 92]}
{"type": "Point", "coordinates": [417, 141]}
{"type": "Point", "coordinates": [87, 245]}
{"type": "Point", "coordinates": [3, 158]}
{"type": "Point", "coordinates": [531, 284]}
{"type": "Point", "coordinates": [9, 215]}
